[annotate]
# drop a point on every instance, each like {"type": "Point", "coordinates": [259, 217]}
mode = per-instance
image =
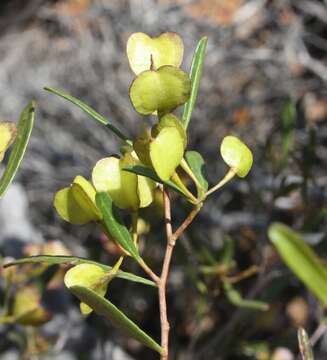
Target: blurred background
{"type": "Point", "coordinates": [264, 80]}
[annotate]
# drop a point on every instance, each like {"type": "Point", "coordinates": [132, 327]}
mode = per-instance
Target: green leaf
{"type": "Point", "coordinates": [90, 111]}
{"type": "Point", "coordinates": [195, 75]}
{"type": "Point", "coordinates": [197, 165]}
{"type": "Point", "coordinates": [73, 260]}
{"type": "Point", "coordinates": [24, 130]}
{"type": "Point", "coordinates": [300, 258]}
{"type": "Point", "coordinates": [236, 299]}
{"type": "Point", "coordinates": [149, 173]}
{"type": "Point", "coordinates": [114, 224]}
{"type": "Point", "coordinates": [288, 124]}
{"type": "Point", "coordinates": [109, 311]}
{"type": "Point", "coordinates": [160, 90]}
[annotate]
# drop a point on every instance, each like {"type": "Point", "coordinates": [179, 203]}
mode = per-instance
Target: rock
{"type": "Point", "coordinates": [16, 229]}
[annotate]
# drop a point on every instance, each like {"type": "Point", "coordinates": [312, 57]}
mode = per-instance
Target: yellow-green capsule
{"type": "Point", "coordinates": [236, 155]}
{"type": "Point", "coordinates": [160, 90]}
{"type": "Point", "coordinates": [87, 275]}
{"type": "Point", "coordinates": [76, 204]}
{"type": "Point", "coordinates": [144, 52]}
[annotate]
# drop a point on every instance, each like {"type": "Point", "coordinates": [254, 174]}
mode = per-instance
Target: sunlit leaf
{"type": "Point", "coordinates": [195, 75]}
{"type": "Point", "coordinates": [90, 111]}
{"type": "Point", "coordinates": [162, 90]}
{"type": "Point", "coordinates": [24, 130]}
{"type": "Point", "coordinates": [144, 51]}
{"type": "Point", "coordinates": [197, 165]}
{"type": "Point", "coordinates": [149, 173]}
{"type": "Point", "coordinates": [301, 259]}
{"type": "Point", "coordinates": [114, 224]}
{"type": "Point", "coordinates": [116, 317]}
{"type": "Point", "coordinates": [73, 260]}
{"type": "Point", "coordinates": [236, 155]}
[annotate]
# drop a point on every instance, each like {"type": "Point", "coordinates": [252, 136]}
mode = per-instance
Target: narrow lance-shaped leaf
{"type": "Point", "coordinates": [197, 165]}
{"type": "Point", "coordinates": [24, 130]}
{"type": "Point", "coordinates": [195, 75]}
{"type": "Point", "coordinates": [149, 173]}
{"type": "Point", "coordinates": [73, 260]}
{"type": "Point", "coordinates": [301, 259]}
{"type": "Point", "coordinates": [109, 311]}
{"type": "Point", "coordinates": [236, 299]}
{"type": "Point", "coordinates": [114, 224]}
{"type": "Point", "coordinates": [90, 111]}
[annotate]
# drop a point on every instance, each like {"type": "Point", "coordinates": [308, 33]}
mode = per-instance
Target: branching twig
{"type": "Point", "coordinates": [162, 285]}
{"type": "Point", "coordinates": [164, 276]}
{"type": "Point", "coordinates": [186, 223]}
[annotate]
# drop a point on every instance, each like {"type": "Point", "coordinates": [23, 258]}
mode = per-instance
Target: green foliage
{"type": "Point", "coordinates": [89, 111]}
{"type": "Point", "coordinates": [195, 75]}
{"type": "Point", "coordinates": [236, 299]}
{"type": "Point", "coordinates": [24, 130]}
{"type": "Point", "coordinates": [114, 225]}
{"type": "Point", "coordinates": [197, 165]}
{"type": "Point", "coordinates": [149, 173]}
{"type": "Point", "coordinates": [301, 259]}
{"type": "Point", "coordinates": [74, 260]}
{"type": "Point", "coordinates": [109, 311]}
